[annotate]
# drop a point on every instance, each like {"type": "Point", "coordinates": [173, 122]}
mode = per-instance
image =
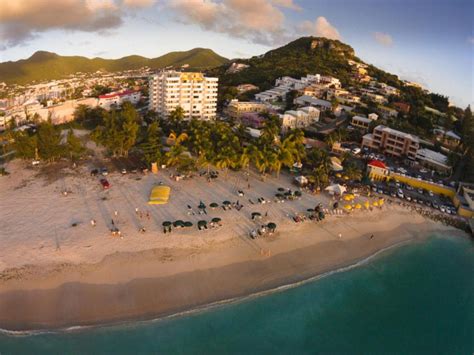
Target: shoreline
{"type": "Point", "coordinates": [75, 305]}
{"type": "Point", "coordinates": [213, 305]}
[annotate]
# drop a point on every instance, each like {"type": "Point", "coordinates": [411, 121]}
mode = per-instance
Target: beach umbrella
{"type": "Point", "coordinates": [256, 214]}
{"type": "Point", "coordinates": [338, 175]}
{"type": "Point", "coordinates": [278, 195]}
{"type": "Point", "coordinates": [347, 198]}
{"type": "Point", "coordinates": [166, 223]}
{"type": "Point", "coordinates": [367, 204]}
{"type": "Point", "coordinates": [214, 205]}
{"type": "Point", "coordinates": [226, 202]}
{"type": "Point", "coordinates": [202, 223]}
{"type": "Point", "coordinates": [375, 203]}
{"type": "Point", "coordinates": [188, 224]}
{"type": "Point", "coordinates": [271, 226]}
{"type": "Point", "coordinates": [298, 193]}
{"type": "Point", "coordinates": [281, 189]}
{"type": "Point", "coordinates": [178, 223]}
{"type": "Point", "coordinates": [358, 206]}
{"type": "Point", "coordinates": [287, 193]}
{"type": "Point", "coordinates": [348, 207]}
{"type": "Point", "coordinates": [216, 220]}
{"type": "Point", "coordinates": [321, 215]}
{"type": "Point", "coordinates": [381, 201]}
{"type": "Point", "coordinates": [346, 177]}
{"type": "Point", "coordinates": [310, 210]}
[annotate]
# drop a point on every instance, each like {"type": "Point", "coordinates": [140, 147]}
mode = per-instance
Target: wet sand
{"type": "Point", "coordinates": [160, 282]}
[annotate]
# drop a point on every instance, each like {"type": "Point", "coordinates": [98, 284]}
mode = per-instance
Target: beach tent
{"type": "Point", "coordinates": [367, 204]}
{"type": "Point", "coordinates": [348, 207]}
{"type": "Point", "coordinates": [358, 206]}
{"type": "Point", "coordinates": [301, 180]}
{"type": "Point", "coordinates": [159, 195]}
{"type": "Point", "coordinates": [375, 203]}
{"type": "Point", "coordinates": [335, 189]}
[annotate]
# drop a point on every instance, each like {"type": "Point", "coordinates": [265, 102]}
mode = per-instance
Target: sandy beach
{"type": "Point", "coordinates": [54, 274]}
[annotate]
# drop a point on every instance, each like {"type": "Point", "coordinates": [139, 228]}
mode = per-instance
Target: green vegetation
{"type": "Point", "coordinates": [119, 130]}
{"type": "Point", "coordinates": [48, 66]}
{"type": "Point", "coordinates": [306, 55]}
{"type": "Point", "coordinates": [46, 143]}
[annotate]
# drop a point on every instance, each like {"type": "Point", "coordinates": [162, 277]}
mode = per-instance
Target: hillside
{"type": "Point", "coordinates": [48, 66]}
{"type": "Point", "coordinates": [298, 58]}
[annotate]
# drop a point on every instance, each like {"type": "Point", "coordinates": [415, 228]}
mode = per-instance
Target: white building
{"type": "Point", "coordinates": [312, 101]}
{"type": "Point", "coordinates": [300, 118]}
{"type": "Point", "coordinates": [361, 122]}
{"type": "Point", "coordinates": [433, 160]}
{"type": "Point", "coordinates": [116, 99]}
{"type": "Point", "coordinates": [193, 92]}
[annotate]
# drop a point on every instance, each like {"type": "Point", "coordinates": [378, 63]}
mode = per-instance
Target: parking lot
{"type": "Point", "coordinates": [419, 196]}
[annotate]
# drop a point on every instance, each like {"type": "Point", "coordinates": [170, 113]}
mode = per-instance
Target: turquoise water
{"type": "Point", "coordinates": [417, 299]}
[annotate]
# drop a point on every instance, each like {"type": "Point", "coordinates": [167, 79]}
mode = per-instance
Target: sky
{"type": "Point", "coordinates": [427, 41]}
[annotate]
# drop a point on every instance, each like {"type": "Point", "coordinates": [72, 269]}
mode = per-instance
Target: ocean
{"type": "Point", "coordinates": [415, 299]}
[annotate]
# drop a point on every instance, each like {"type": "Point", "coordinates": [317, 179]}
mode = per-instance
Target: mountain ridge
{"type": "Point", "coordinates": [44, 65]}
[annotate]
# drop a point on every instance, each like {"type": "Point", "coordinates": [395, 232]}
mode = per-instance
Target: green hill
{"type": "Point", "coordinates": [298, 58]}
{"type": "Point", "coordinates": [48, 66]}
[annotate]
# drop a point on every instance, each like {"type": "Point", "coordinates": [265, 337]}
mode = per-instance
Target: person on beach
{"type": "Point", "coordinates": [93, 222]}
{"type": "Point", "coordinates": [340, 235]}
{"type": "Point", "coordinates": [372, 236]}
{"type": "Point", "coordinates": [136, 210]}
{"type": "Point", "coordinates": [116, 213]}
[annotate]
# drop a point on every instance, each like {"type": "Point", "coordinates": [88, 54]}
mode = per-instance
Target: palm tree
{"type": "Point", "coordinates": [246, 157]}
{"type": "Point", "coordinates": [176, 153]}
{"type": "Point", "coordinates": [263, 160]}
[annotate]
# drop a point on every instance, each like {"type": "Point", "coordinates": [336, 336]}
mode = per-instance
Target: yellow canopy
{"type": "Point", "coordinates": [367, 204]}
{"type": "Point", "coordinates": [159, 195]}
{"type": "Point", "coordinates": [381, 201]}
{"type": "Point", "coordinates": [358, 206]}
{"type": "Point", "coordinates": [338, 175]}
{"type": "Point", "coordinates": [348, 207]}
{"type": "Point", "coordinates": [375, 203]}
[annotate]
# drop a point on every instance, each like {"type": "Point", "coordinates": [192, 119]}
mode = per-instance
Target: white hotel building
{"type": "Point", "coordinates": [193, 92]}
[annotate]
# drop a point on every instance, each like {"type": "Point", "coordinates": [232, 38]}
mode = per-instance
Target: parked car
{"type": "Point", "coordinates": [104, 171]}
{"type": "Point", "coordinates": [105, 184]}
{"type": "Point", "coordinates": [431, 193]}
{"type": "Point", "coordinates": [35, 162]}
{"type": "Point", "coordinates": [124, 171]}
{"type": "Point", "coordinates": [435, 205]}
{"type": "Point", "coordinates": [356, 151]}
{"type": "Point", "coordinates": [408, 198]}
{"type": "Point", "coordinates": [400, 193]}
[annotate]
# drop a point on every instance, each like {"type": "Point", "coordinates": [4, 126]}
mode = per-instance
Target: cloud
{"type": "Point", "coordinates": [320, 28]}
{"type": "Point", "coordinates": [21, 21]}
{"type": "Point", "coordinates": [139, 3]}
{"type": "Point", "coordinates": [383, 38]}
{"type": "Point", "coordinates": [470, 40]}
{"type": "Point", "coordinates": [260, 21]}
{"type": "Point", "coordinates": [289, 4]}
